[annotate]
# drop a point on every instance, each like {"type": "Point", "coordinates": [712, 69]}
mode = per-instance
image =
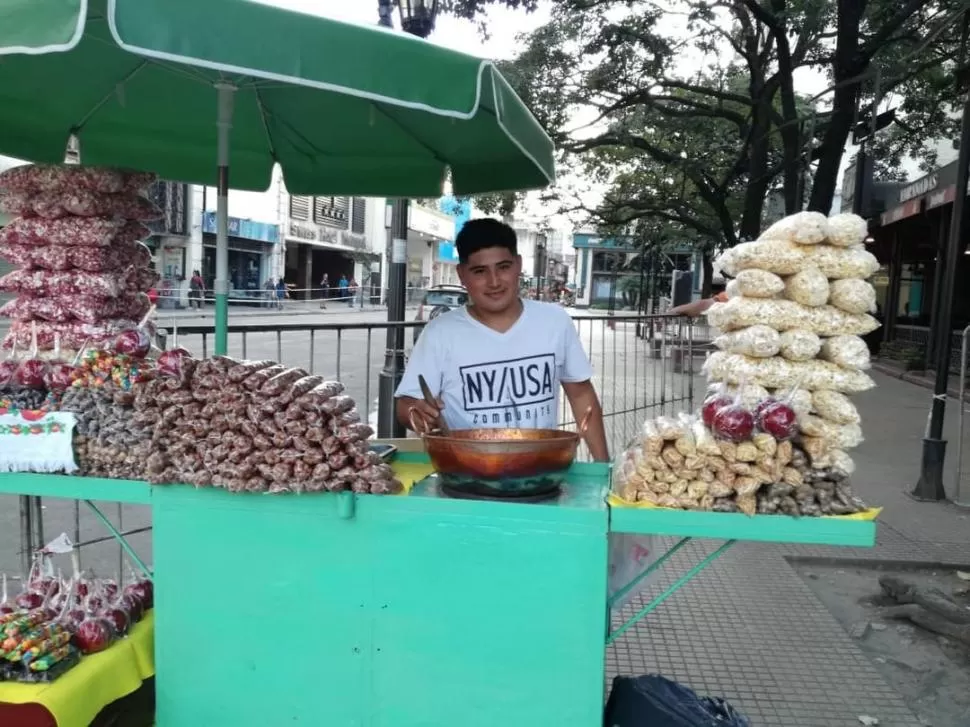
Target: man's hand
{"type": "Point", "coordinates": [424, 413]}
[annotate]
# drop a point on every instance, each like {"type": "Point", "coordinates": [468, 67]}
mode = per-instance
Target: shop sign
{"type": "Point", "coordinates": [354, 240]}
{"type": "Point", "coordinates": [430, 222]}
{"type": "Point", "coordinates": [314, 233]}
{"type": "Point", "coordinates": [245, 229]}
{"type": "Point", "coordinates": [919, 187]}
{"type": "Point", "coordinates": [583, 240]}
{"type": "Point", "coordinates": [902, 212]}
{"type": "Point", "coordinates": [942, 197]}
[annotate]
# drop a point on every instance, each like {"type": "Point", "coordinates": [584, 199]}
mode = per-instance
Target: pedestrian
{"type": "Point", "coordinates": [325, 285]}
{"type": "Point", "coordinates": [281, 293]}
{"type": "Point", "coordinates": [269, 293]}
{"type": "Point", "coordinates": [352, 291]}
{"type": "Point", "coordinates": [532, 347]}
{"type": "Point", "coordinates": [197, 290]}
{"type": "Point", "coordinates": [342, 285]}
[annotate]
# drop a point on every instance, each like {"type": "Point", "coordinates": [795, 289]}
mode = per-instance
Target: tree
{"type": "Point", "coordinates": [703, 147]}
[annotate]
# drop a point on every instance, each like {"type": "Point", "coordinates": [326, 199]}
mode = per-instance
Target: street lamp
{"type": "Point", "coordinates": [417, 18]}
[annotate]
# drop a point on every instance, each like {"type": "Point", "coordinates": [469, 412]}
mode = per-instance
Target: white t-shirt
{"type": "Point", "coordinates": [492, 379]}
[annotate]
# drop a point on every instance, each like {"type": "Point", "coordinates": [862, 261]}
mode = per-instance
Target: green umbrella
{"type": "Point", "coordinates": [192, 88]}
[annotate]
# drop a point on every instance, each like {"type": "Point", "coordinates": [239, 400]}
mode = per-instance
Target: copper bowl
{"type": "Point", "coordinates": [499, 454]}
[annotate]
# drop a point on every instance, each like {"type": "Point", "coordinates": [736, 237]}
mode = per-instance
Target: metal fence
{"type": "Point", "coordinates": [643, 366]}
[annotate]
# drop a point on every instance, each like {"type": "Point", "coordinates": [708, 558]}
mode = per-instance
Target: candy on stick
{"type": "Point", "coordinates": [135, 342]}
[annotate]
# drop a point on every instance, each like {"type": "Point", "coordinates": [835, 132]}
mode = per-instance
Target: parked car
{"type": "Point", "coordinates": [437, 300]}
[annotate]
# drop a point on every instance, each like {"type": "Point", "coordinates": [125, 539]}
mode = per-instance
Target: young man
{"type": "Point", "coordinates": [499, 361]}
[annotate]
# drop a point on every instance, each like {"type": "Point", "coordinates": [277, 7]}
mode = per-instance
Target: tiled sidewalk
{"type": "Point", "coordinates": [750, 629]}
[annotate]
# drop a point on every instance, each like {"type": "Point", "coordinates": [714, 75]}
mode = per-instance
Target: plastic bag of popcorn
{"type": "Point", "coordinates": [801, 228]}
{"type": "Point", "coordinates": [809, 287]}
{"type": "Point", "coordinates": [846, 230]}
{"type": "Point", "coordinates": [798, 345]}
{"type": "Point", "coordinates": [758, 284]}
{"type": "Point", "coordinates": [759, 341]}
{"type": "Point", "coordinates": [849, 352]}
{"type": "Point", "coordinates": [853, 296]}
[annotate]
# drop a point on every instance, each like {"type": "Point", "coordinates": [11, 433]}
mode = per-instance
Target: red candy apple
{"type": "Point", "coordinates": [117, 617]}
{"type": "Point", "coordinates": [143, 591]}
{"type": "Point", "coordinates": [93, 634]}
{"type": "Point", "coordinates": [60, 376]}
{"type": "Point", "coordinates": [712, 405]}
{"type": "Point", "coordinates": [31, 374]}
{"type": "Point", "coordinates": [30, 599]}
{"type": "Point", "coordinates": [734, 423]}
{"type": "Point", "coordinates": [779, 420]}
{"type": "Point", "coordinates": [134, 342]}
{"type": "Point", "coordinates": [172, 363]}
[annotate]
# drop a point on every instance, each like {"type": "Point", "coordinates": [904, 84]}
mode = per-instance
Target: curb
{"type": "Point", "coordinates": [913, 378]}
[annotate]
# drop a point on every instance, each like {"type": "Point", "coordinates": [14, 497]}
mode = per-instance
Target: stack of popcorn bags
{"type": "Point", "coordinates": [83, 274]}
{"type": "Point", "coordinates": [798, 304]}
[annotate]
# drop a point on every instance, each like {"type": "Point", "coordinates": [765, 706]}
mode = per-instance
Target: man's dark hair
{"type": "Point", "coordinates": [484, 233]}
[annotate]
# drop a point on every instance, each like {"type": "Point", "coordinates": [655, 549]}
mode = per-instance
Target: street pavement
{"type": "Point", "coordinates": [748, 627]}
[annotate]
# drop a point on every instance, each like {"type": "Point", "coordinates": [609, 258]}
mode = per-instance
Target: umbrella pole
{"type": "Point", "coordinates": [224, 126]}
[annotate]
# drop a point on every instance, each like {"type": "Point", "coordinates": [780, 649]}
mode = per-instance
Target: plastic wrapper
{"type": "Point", "coordinates": [758, 284]}
{"type": "Point", "coordinates": [732, 289]}
{"type": "Point", "coordinates": [796, 345]}
{"type": "Point", "coordinates": [846, 230]}
{"type": "Point", "coordinates": [853, 296]}
{"type": "Point", "coordinates": [839, 263]}
{"type": "Point", "coordinates": [801, 228]}
{"type": "Point", "coordinates": [733, 423]}
{"type": "Point", "coordinates": [849, 352]}
{"type": "Point", "coordinates": [670, 429]}
{"type": "Point", "coordinates": [629, 556]}
{"type": "Point", "coordinates": [809, 287]}
{"type": "Point", "coordinates": [68, 177]}
{"type": "Point", "coordinates": [758, 340]}
{"type": "Point", "coordinates": [774, 257]}
{"type": "Point", "coordinates": [780, 373]}
{"type": "Point", "coordinates": [780, 315]}
{"type": "Point", "coordinates": [837, 436]}
{"type": "Point", "coordinates": [800, 400]}
{"type": "Point", "coordinates": [73, 334]}
{"type": "Point", "coordinates": [67, 284]}
{"type": "Point", "coordinates": [828, 321]}
{"type": "Point", "coordinates": [750, 395]}
{"type": "Point", "coordinates": [56, 204]}
{"type": "Point", "coordinates": [842, 463]}
{"type": "Point", "coordinates": [72, 231]}
{"type": "Point", "coordinates": [835, 407]}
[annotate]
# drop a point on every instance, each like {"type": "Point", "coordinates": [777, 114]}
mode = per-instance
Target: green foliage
{"type": "Point", "coordinates": [693, 117]}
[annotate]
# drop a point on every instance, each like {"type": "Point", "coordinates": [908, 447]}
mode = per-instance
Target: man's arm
{"type": "Point", "coordinates": [692, 310]}
{"type": "Point", "coordinates": [582, 398]}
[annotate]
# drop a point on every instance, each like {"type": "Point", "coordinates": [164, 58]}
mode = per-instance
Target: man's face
{"type": "Point", "coordinates": [491, 277]}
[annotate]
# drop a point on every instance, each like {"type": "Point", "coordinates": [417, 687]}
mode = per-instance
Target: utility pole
{"type": "Point", "coordinates": [417, 18]}
{"type": "Point", "coordinates": [930, 484]}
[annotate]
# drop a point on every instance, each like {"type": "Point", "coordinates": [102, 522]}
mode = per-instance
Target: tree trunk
{"type": "Point", "coordinates": [848, 64]}
{"type": "Point", "coordinates": [833, 145]}
{"type": "Point", "coordinates": [707, 265]}
{"type": "Point", "coordinates": [758, 179]}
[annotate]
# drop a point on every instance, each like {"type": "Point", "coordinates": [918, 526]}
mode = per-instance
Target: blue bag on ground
{"type": "Point", "coordinates": [653, 701]}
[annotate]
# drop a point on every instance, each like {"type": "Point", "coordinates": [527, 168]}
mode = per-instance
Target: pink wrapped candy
{"type": "Point", "coordinates": [72, 231]}
{"type": "Point", "coordinates": [56, 204]}
{"type": "Point", "coordinates": [73, 334]}
{"type": "Point", "coordinates": [47, 177]}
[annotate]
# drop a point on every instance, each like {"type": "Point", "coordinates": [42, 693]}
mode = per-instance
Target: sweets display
{"type": "Point", "coordinates": [255, 426]}
{"type": "Point", "coordinates": [53, 622]}
{"type": "Point", "coordinates": [83, 275]}
{"type": "Point", "coordinates": [772, 436]}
